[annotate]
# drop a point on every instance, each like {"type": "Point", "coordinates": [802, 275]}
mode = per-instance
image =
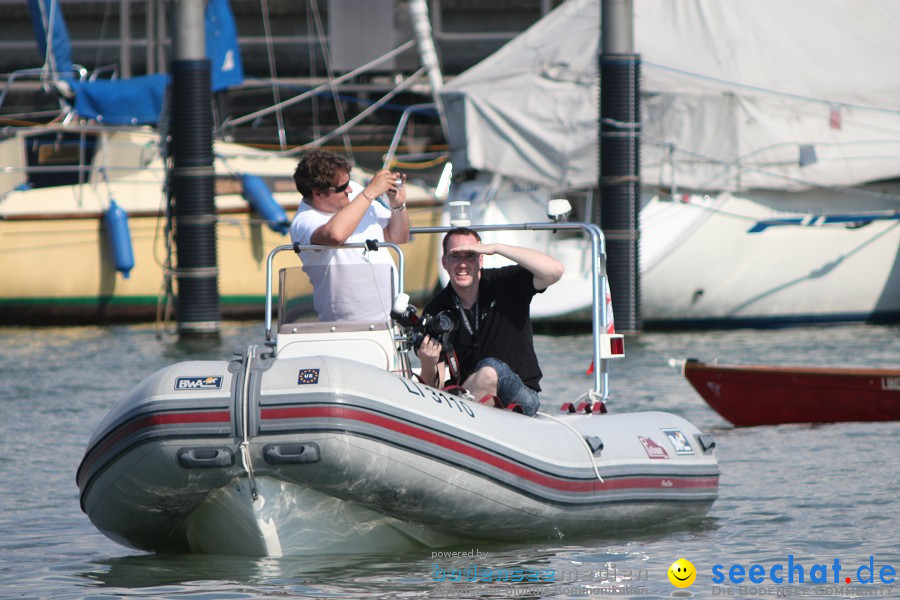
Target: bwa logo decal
{"type": "Point", "coordinates": [199, 383]}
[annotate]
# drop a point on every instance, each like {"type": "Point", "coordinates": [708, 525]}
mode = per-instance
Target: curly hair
{"type": "Point", "coordinates": [317, 169]}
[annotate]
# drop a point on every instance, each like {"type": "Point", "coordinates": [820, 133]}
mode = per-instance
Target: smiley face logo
{"type": "Point", "coordinates": [682, 573]}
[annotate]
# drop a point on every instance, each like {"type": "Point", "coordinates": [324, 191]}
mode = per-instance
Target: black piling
{"type": "Point", "coordinates": [193, 186]}
{"type": "Point", "coordinates": [620, 164]}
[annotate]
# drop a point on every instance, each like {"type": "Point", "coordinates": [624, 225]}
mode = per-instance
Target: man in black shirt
{"type": "Point", "coordinates": [493, 341]}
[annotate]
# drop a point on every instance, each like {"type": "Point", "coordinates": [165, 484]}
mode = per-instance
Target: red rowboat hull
{"type": "Point", "coordinates": [764, 395]}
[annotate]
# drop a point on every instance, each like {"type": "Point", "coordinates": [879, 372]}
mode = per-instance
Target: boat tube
{"type": "Point", "coordinates": [322, 440]}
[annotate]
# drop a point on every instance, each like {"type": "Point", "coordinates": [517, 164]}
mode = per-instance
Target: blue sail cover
{"type": "Point", "coordinates": [135, 101]}
{"type": "Point", "coordinates": [138, 100]}
{"type": "Point", "coordinates": [222, 46]}
{"type": "Point", "coordinates": [46, 15]}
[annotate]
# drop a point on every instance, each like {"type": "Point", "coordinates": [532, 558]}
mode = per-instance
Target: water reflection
{"type": "Point", "coordinates": [415, 573]}
{"type": "Point", "coordinates": [231, 575]}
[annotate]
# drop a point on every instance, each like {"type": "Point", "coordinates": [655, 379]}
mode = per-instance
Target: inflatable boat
{"type": "Point", "coordinates": [321, 439]}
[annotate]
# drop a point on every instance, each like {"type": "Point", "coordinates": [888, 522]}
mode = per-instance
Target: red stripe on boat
{"type": "Point", "coordinates": [154, 420]}
{"type": "Point", "coordinates": [486, 457]}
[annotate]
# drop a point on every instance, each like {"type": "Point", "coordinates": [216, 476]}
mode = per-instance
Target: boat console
{"type": "Point", "coordinates": [369, 342]}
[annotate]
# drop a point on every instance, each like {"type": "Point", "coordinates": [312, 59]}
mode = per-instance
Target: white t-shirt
{"type": "Point", "coordinates": [349, 284]}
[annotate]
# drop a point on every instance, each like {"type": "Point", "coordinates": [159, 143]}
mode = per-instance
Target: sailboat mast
{"type": "Point", "coordinates": [418, 13]}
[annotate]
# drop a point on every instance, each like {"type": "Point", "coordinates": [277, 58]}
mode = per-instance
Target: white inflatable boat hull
{"type": "Point", "coordinates": [324, 454]}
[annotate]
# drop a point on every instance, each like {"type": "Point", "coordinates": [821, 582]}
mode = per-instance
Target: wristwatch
{"type": "Point", "coordinates": [400, 208]}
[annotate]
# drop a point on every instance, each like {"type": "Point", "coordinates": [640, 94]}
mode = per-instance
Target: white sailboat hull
{"type": "Point", "coordinates": [728, 267]}
{"type": "Point", "coordinates": [729, 261]}
{"type": "Point", "coordinates": [55, 251]}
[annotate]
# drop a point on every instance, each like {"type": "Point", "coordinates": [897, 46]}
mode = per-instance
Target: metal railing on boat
{"type": "Point", "coordinates": [298, 248]}
{"type": "Point", "coordinates": [599, 320]}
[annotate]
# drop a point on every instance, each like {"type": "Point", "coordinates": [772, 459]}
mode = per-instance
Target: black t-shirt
{"type": "Point", "coordinates": [504, 323]}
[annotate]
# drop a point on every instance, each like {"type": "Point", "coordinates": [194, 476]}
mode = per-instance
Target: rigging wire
{"type": "Point", "coordinates": [333, 82]}
{"type": "Point", "coordinates": [48, 70]}
{"type": "Point", "coordinates": [313, 73]}
{"type": "Point", "coordinates": [102, 36]}
{"type": "Point", "coordinates": [276, 92]}
{"type": "Point", "coordinates": [329, 69]}
{"type": "Point", "coordinates": [362, 115]}
{"type": "Point", "coordinates": [769, 91]}
{"type": "Point", "coordinates": [729, 165]}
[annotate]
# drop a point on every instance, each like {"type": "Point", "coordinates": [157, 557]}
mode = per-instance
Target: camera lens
{"type": "Point", "coordinates": [443, 323]}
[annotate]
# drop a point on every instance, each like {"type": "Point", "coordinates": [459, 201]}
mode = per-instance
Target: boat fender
{"type": "Point", "coordinates": [707, 442]}
{"type": "Point", "coordinates": [204, 458]}
{"type": "Point", "coordinates": [256, 192]}
{"type": "Point", "coordinates": [116, 220]}
{"type": "Point", "coordinates": [290, 454]}
{"type": "Point", "coordinates": [594, 443]}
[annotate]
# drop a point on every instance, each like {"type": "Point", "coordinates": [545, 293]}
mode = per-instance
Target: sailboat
{"type": "Point", "coordinates": [769, 144]}
{"type": "Point", "coordinates": [84, 233]}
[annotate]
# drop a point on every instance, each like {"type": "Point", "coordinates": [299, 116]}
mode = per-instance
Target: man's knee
{"type": "Point", "coordinates": [487, 376]}
{"type": "Point", "coordinates": [483, 382]}
{"type": "Point", "coordinates": [494, 366]}
{"type": "Point", "coordinates": [509, 386]}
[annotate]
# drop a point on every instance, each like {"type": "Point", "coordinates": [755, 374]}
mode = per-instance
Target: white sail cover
{"type": "Point", "coordinates": [530, 110]}
{"type": "Point", "coordinates": [736, 95]}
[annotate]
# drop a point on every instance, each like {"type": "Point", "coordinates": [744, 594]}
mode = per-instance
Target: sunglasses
{"type": "Point", "coordinates": [461, 256]}
{"type": "Point", "coordinates": [339, 189]}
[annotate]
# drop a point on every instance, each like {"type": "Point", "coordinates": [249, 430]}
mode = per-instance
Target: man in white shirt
{"type": "Point", "coordinates": [349, 284]}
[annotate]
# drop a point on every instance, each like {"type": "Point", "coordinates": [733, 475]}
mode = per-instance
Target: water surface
{"type": "Point", "coordinates": [814, 493]}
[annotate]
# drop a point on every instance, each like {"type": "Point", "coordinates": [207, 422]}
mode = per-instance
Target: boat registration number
{"type": "Point", "coordinates": [438, 397]}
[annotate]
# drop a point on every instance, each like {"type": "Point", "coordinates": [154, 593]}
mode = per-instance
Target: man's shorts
{"type": "Point", "coordinates": [510, 388]}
